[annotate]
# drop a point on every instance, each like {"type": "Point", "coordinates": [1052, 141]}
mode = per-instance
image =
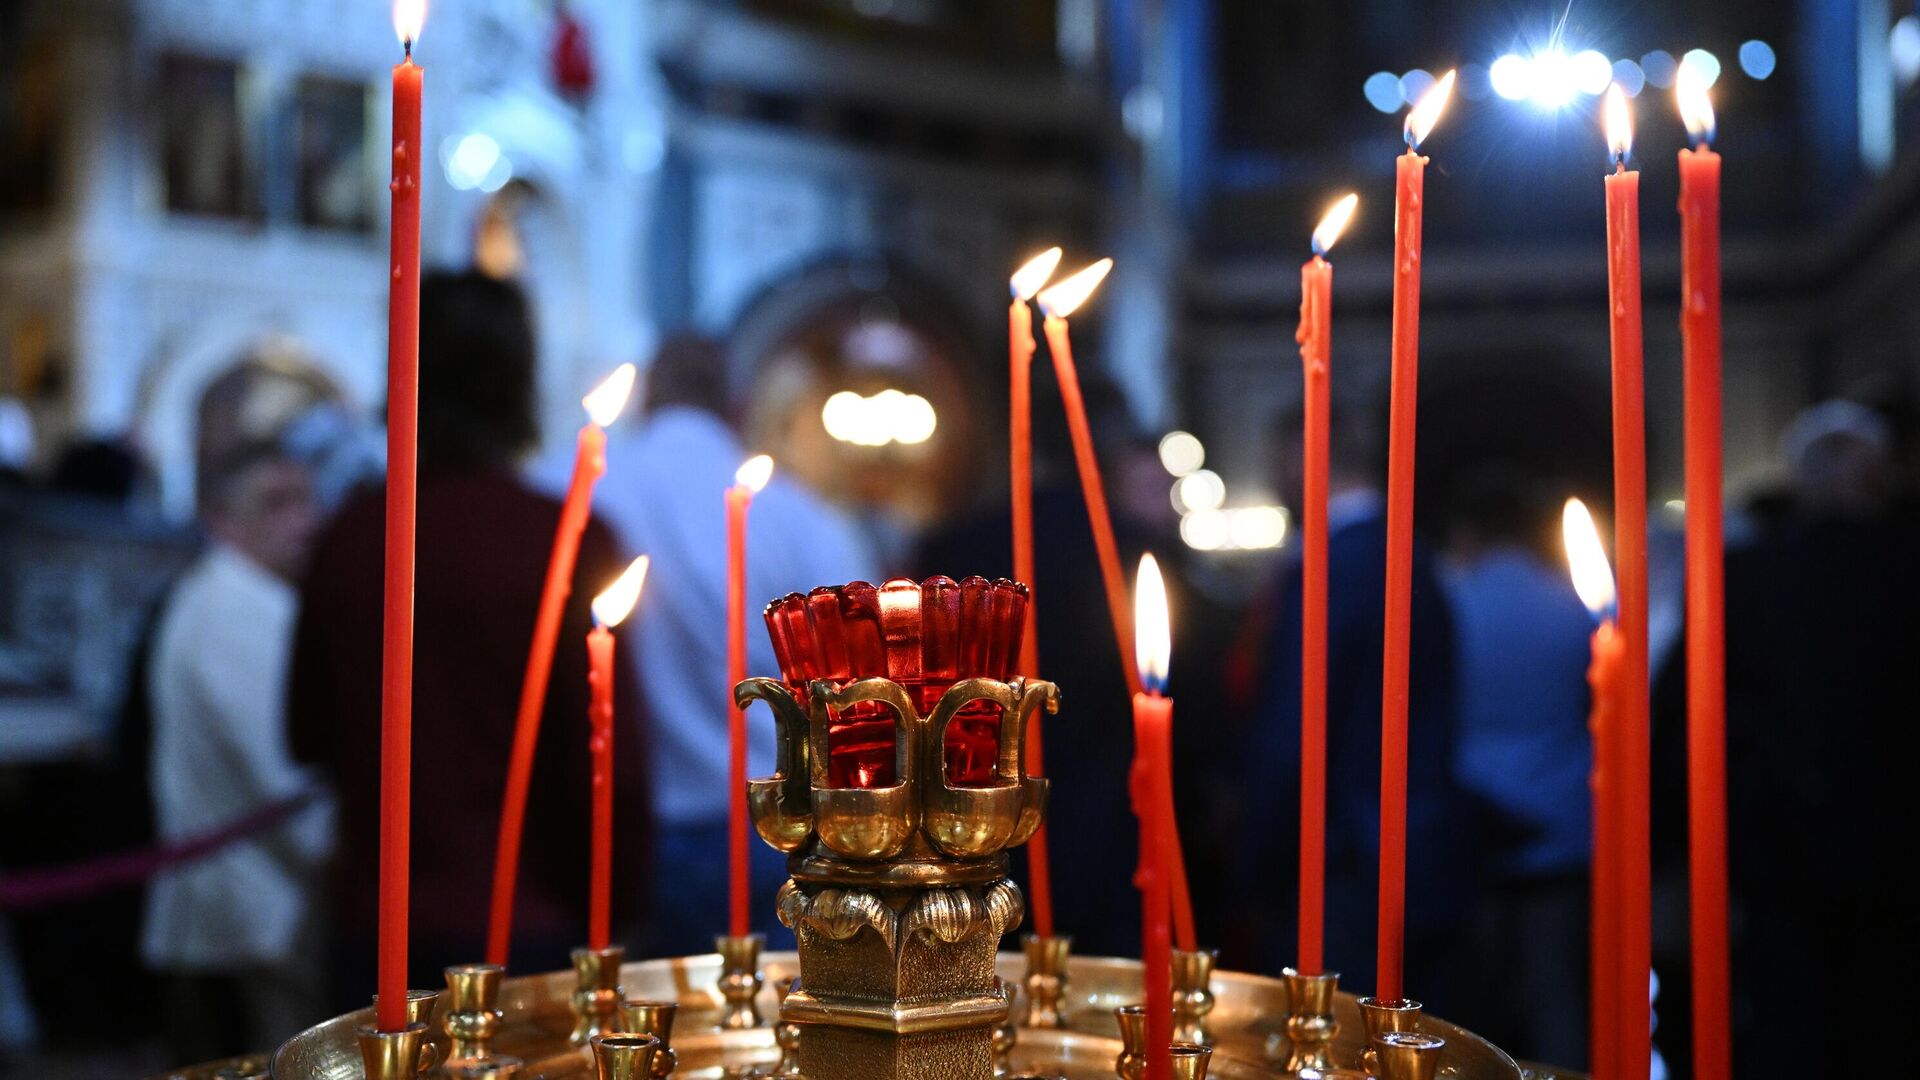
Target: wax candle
{"type": "Point", "coordinates": [1152, 783]}
{"type": "Point", "coordinates": [1633, 764]}
{"type": "Point", "coordinates": [610, 608]}
{"type": "Point", "coordinates": [1020, 346]}
{"type": "Point", "coordinates": [747, 482]}
{"type": "Point", "coordinates": [1593, 580]}
{"type": "Point", "coordinates": [1409, 212]}
{"type": "Point", "coordinates": [403, 406]}
{"type": "Point", "coordinates": [1315, 336]}
{"type": "Point", "coordinates": [603, 406]}
{"type": "Point", "coordinates": [1706, 595]}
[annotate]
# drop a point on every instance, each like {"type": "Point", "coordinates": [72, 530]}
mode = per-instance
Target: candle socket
{"type": "Point", "coordinates": [1191, 1060]}
{"type": "Point", "coordinates": [492, 1067]}
{"type": "Point", "coordinates": [1407, 1055]}
{"type": "Point", "coordinates": [740, 979]}
{"type": "Point", "coordinates": [1008, 1032]}
{"type": "Point", "coordinates": [786, 1035]}
{"type": "Point", "coordinates": [1132, 1062]}
{"type": "Point", "coordinates": [1311, 1025]}
{"type": "Point", "coordinates": [394, 1055]}
{"type": "Point", "coordinates": [473, 1012]}
{"type": "Point", "coordinates": [596, 992]}
{"type": "Point", "coordinates": [1046, 979]}
{"type": "Point", "coordinates": [653, 1018]}
{"type": "Point", "coordinates": [1381, 1017]}
{"type": "Point", "coordinates": [420, 1005]}
{"type": "Point", "coordinates": [1193, 995]}
{"type": "Point", "coordinates": [623, 1056]}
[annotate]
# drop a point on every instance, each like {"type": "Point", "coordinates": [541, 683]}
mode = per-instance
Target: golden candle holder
{"type": "Point", "coordinates": [786, 1035]}
{"type": "Point", "coordinates": [1193, 995]}
{"type": "Point", "coordinates": [1007, 1034]}
{"type": "Point", "coordinates": [1408, 1055]}
{"type": "Point", "coordinates": [1191, 1060]}
{"type": "Point", "coordinates": [473, 1010]}
{"type": "Point", "coordinates": [596, 992]}
{"type": "Point", "coordinates": [643, 1017]}
{"type": "Point", "coordinates": [1131, 1063]}
{"type": "Point", "coordinates": [623, 1056]}
{"type": "Point", "coordinates": [1311, 1026]}
{"type": "Point", "coordinates": [1381, 1017]}
{"type": "Point", "coordinates": [394, 1055]}
{"type": "Point", "coordinates": [1046, 979]}
{"type": "Point", "coordinates": [740, 978]}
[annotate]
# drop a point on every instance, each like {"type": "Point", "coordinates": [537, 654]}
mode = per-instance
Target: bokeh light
{"type": "Point", "coordinates": [1632, 80]}
{"type": "Point", "coordinates": [1592, 71]}
{"type": "Point", "coordinates": [1512, 77]}
{"type": "Point", "coordinates": [1383, 91]}
{"type": "Point", "coordinates": [1181, 452]}
{"type": "Point", "coordinates": [1757, 59]}
{"type": "Point", "coordinates": [1201, 489]}
{"type": "Point", "coordinates": [1206, 530]}
{"type": "Point", "coordinates": [1415, 84]}
{"type": "Point", "coordinates": [1705, 63]}
{"type": "Point", "coordinates": [1660, 68]}
{"type": "Point", "coordinates": [1904, 45]}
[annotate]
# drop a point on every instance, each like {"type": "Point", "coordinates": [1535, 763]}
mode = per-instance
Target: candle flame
{"type": "Point", "coordinates": [408, 18]}
{"type": "Point", "coordinates": [1034, 273]}
{"type": "Point", "coordinates": [1586, 558]}
{"type": "Point", "coordinates": [1696, 108]}
{"type": "Point", "coordinates": [604, 402]}
{"type": "Point", "coordinates": [754, 473]}
{"type": "Point", "coordinates": [1152, 634]}
{"type": "Point", "coordinates": [1426, 112]}
{"type": "Point", "coordinates": [1619, 123]}
{"type": "Point", "coordinates": [1327, 233]}
{"type": "Point", "coordinates": [616, 602]}
{"type": "Point", "coordinates": [1064, 298]}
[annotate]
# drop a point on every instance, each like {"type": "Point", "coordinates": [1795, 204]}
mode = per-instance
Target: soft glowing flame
{"type": "Point", "coordinates": [1152, 634]}
{"type": "Point", "coordinates": [1592, 577]}
{"type": "Point", "coordinates": [1327, 233]}
{"type": "Point", "coordinates": [1063, 299]}
{"type": "Point", "coordinates": [1619, 123]}
{"type": "Point", "coordinates": [1034, 273]}
{"type": "Point", "coordinates": [1696, 108]}
{"type": "Point", "coordinates": [408, 17]}
{"type": "Point", "coordinates": [605, 401]}
{"type": "Point", "coordinates": [754, 473]}
{"type": "Point", "coordinates": [615, 603]}
{"type": "Point", "coordinates": [1426, 112]}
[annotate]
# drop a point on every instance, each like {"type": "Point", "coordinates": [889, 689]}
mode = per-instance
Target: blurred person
{"type": "Point", "coordinates": [1842, 455]}
{"type": "Point", "coordinates": [663, 494]}
{"type": "Point", "coordinates": [234, 933]}
{"type": "Point", "coordinates": [1523, 753]}
{"type": "Point", "coordinates": [483, 544]}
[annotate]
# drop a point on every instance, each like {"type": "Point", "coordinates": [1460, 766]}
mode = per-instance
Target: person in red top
{"type": "Point", "coordinates": [484, 540]}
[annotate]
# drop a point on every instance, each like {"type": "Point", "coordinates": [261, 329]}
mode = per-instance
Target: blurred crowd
{"type": "Point", "coordinates": [252, 708]}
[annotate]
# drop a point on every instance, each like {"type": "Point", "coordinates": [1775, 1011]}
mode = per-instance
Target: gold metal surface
{"type": "Point", "coordinates": [1193, 995]}
{"type": "Point", "coordinates": [393, 1055]}
{"type": "Point", "coordinates": [1007, 1033]}
{"type": "Point", "coordinates": [473, 1010]}
{"type": "Point", "coordinates": [641, 1016]}
{"type": "Point", "coordinates": [1190, 1060]}
{"type": "Point", "coordinates": [1131, 1063]}
{"type": "Point", "coordinates": [740, 979]}
{"type": "Point", "coordinates": [491, 1067]}
{"type": "Point", "coordinates": [596, 992]}
{"type": "Point", "coordinates": [1311, 1026]}
{"type": "Point", "coordinates": [623, 1056]}
{"type": "Point", "coordinates": [1408, 1055]}
{"type": "Point", "coordinates": [1046, 979]}
{"type": "Point", "coordinates": [1380, 1017]}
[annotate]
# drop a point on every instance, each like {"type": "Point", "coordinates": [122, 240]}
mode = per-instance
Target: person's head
{"type": "Point", "coordinates": [1356, 450]}
{"type": "Point", "coordinates": [1500, 504]}
{"type": "Point", "coordinates": [476, 371]}
{"type": "Point", "coordinates": [1843, 460]}
{"type": "Point", "coordinates": [689, 371]}
{"type": "Point", "coordinates": [259, 500]}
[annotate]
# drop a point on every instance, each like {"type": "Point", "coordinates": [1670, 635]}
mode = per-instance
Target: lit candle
{"type": "Point", "coordinates": [1025, 283]}
{"type": "Point", "coordinates": [1315, 336]}
{"type": "Point", "coordinates": [603, 405]}
{"type": "Point", "coordinates": [1152, 803]}
{"type": "Point", "coordinates": [1630, 545]}
{"type": "Point", "coordinates": [1592, 579]}
{"type": "Point", "coordinates": [609, 609]}
{"type": "Point", "coordinates": [403, 407]}
{"type": "Point", "coordinates": [1409, 211]}
{"type": "Point", "coordinates": [747, 482]}
{"type": "Point", "coordinates": [1706, 592]}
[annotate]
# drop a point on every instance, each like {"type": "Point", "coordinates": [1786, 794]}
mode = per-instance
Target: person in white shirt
{"type": "Point", "coordinates": [232, 933]}
{"type": "Point", "coordinates": [663, 493]}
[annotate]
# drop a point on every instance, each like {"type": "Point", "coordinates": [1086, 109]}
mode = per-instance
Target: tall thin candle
{"type": "Point", "coordinates": [603, 405]}
{"type": "Point", "coordinates": [609, 609]}
{"type": "Point", "coordinates": [1315, 336]}
{"type": "Point", "coordinates": [747, 482]}
{"type": "Point", "coordinates": [1152, 801]}
{"type": "Point", "coordinates": [1409, 213]}
{"type": "Point", "coordinates": [1630, 546]}
{"type": "Point", "coordinates": [1593, 580]}
{"type": "Point", "coordinates": [1706, 589]}
{"type": "Point", "coordinates": [403, 406]}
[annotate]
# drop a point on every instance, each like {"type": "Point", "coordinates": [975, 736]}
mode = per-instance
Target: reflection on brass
{"type": "Point", "coordinates": [1132, 1062]}
{"type": "Point", "coordinates": [786, 1035]}
{"type": "Point", "coordinates": [740, 978]}
{"type": "Point", "coordinates": [1007, 1034]}
{"type": "Point", "coordinates": [491, 1067]}
{"type": "Point", "coordinates": [623, 1056]}
{"type": "Point", "coordinates": [1046, 979]}
{"type": "Point", "coordinates": [1400, 1014]}
{"type": "Point", "coordinates": [596, 992]}
{"type": "Point", "coordinates": [1193, 995]}
{"type": "Point", "coordinates": [420, 1004]}
{"type": "Point", "coordinates": [1408, 1055]}
{"type": "Point", "coordinates": [655, 1018]}
{"type": "Point", "coordinates": [1311, 1026]}
{"type": "Point", "coordinates": [1190, 1060]}
{"type": "Point", "coordinates": [473, 1014]}
{"type": "Point", "coordinates": [393, 1055]}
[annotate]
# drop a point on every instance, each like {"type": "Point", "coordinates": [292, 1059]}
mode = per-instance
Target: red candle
{"type": "Point", "coordinates": [1594, 582]}
{"type": "Point", "coordinates": [609, 609]}
{"type": "Point", "coordinates": [603, 405]}
{"type": "Point", "coordinates": [1706, 595]}
{"type": "Point", "coordinates": [403, 399]}
{"type": "Point", "coordinates": [1152, 784]}
{"type": "Point", "coordinates": [1315, 336]}
{"type": "Point", "coordinates": [747, 482]}
{"type": "Point", "coordinates": [1020, 345]}
{"type": "Point", "coordinates": [1634, 899]}
{"type": "Point", "coordinates": [1409, 212]}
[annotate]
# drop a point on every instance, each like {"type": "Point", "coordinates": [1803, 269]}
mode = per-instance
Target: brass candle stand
{"type": "Point", "coordinates": [1381, 1017]}
{"type": "Point", "coordinates": [740, 978]}
{"type": "Point", "coordinates": [1311, 1026]}
{"type": "Point", "coordinates": [1193, 995]}
{"type": "Point", "coordinates": [623, 1056]}
{"type": "Point", "coordinates": [391, 1055]}
{"type": "Point", "coordinates": [1046, 979]}
{"type": "Point", "coordinates": [596, 992]}
{"type": "Point", "coordinates": [473, 1010]}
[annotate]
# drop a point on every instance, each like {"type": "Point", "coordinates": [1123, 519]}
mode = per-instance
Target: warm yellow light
{"type": "Point", "coordinates": [408, 18]}
{"type": "Point", "coordinates": [1619, 123]}
{"type": "Point", "coordinates": [614, 604]}
{"type": "Point", "coordinates": [1592, 577]}
{"type": "Point", "coordinates": [1034, 273]}
{"type": "Point", "coordinates": [754, 473]}
{"type": "Point", "coordinates": [1327, 233]}
{"type": "Point", "coordinates": [1696, 108]}
{"type": "Point", "coordinates": [605, 401]}
{"type": "Point", "coordinates": [1426, 112]}
{"type": "Point", "coordinates": [1063, 299]}
{"type": "Point", "coordinates": [1152, 633]}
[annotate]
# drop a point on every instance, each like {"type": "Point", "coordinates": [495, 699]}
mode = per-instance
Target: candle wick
{"type": "Point", "coordinates": [407, 44]}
